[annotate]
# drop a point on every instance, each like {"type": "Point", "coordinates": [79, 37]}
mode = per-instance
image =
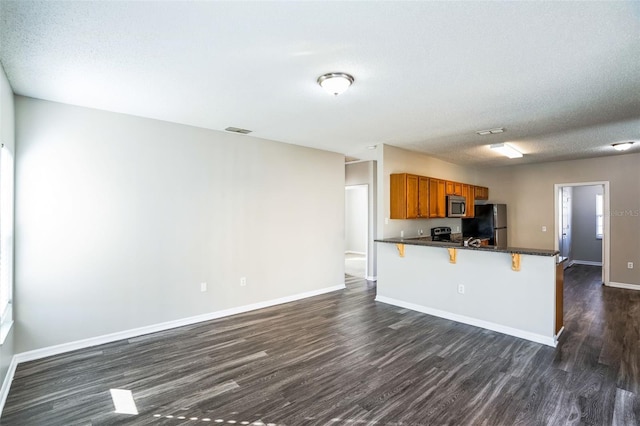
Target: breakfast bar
{"type": "Point", "coordinates": [515, 291]}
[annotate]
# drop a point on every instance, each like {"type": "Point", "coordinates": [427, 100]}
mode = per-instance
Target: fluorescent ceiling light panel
{"type": "Point", "coordinates": [490, 131]}
{"type": "Point", "coordinates": [623, 146]}
{"type": "Point", "coordinates": [123, 401]}
{"type": "Point", "coordinates": [506, 150]}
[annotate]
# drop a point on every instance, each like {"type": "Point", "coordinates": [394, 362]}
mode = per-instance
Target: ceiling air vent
{"type": "Point", "coordinates": [490, 131]}
{"type": "Point", "coordinates": [238, 130]}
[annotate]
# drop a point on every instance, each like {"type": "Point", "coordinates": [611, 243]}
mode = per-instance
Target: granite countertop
{"type": "Point", "coordinates": [426, 241]}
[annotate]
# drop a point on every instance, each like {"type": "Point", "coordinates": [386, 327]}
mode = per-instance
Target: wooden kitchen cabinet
{"type": "Point", "coordinates": [468, 192]}
{"type": "Point", "coordinates": [481, 193]}
{"type": "Point", "coordinates": [409, 196]}
{"type": "Point", "coordinates": [437, 198]}
{"type": "Point", "coordinates": [453, 188]}
{"type": "Point", "coordinates": [423, 196]}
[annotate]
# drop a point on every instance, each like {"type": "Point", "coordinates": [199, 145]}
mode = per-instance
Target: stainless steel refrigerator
{"type": "Point", "coordinates": [490, 221]}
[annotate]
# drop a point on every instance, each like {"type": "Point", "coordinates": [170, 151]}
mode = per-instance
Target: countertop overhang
{"type": "Point", "coordinates": [417, 241]}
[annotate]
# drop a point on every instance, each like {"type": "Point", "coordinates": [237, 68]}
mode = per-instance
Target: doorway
{"type": "Point", "coordinates": [582, 228]}
{"type": "Point", "coordinates": [356, 230]}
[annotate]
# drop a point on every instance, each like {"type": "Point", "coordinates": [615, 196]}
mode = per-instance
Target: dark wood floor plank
{"type": "Point", "coordinates": [341, 358]}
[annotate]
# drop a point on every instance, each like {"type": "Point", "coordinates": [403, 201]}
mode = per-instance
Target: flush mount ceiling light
{"type": "Point", "coordinates": [622, 146]}
{"type": "Point", "coordinates": [490, 131]}
{"type": "Point", "coordinates": [506, 150]}
{"type": "Point", "coordinates": [335, 82]}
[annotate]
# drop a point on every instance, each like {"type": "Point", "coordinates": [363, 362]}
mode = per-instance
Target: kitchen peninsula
{"type": "Point", "coordinates": [515, 291]}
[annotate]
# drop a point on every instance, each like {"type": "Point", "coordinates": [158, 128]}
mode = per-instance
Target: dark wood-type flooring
{"type": "Point", "coordinates": [343, 359]}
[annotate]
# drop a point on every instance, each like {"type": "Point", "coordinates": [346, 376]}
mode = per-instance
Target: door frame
{"type": "Point", "coordinates": [606, 243]}
{"type": "Point", "coordinates": [364, 186]}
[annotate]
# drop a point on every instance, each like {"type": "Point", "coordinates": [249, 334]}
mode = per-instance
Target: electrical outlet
{"type": "Point", "coordinates": [544, 229]}
{"type": "Point", "coordinates": [203, 286]}
{"type": "Point", "coordinates": [386, 220]}
{"type": "Point", "coordinates": [630, 265]}
{"type": "Point", "coordinates": [461, 288]}
{"type": "Point", "coordinates": [243, 281]}
{"type": "Point", "coordinates": [401, 234]}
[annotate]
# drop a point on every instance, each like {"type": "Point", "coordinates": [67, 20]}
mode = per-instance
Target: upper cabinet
{"type": "Point", "coordinates": [423, 196]}
{"type": "Point", "coordinates": [468, 193]}
{"type": "Point", "coordinates": [481, 193]}
{"type": "Point", "coordinates": [437, 198]}
{"type": "Point", "coordinates": [453, 188]}
{"type": "Point", "coordinates": [409, 196]}
{"type": "Point", "coordinates": [420, 197]}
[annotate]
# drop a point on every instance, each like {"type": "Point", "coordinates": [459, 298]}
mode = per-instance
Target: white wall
{"type": "Point", "coordinates": [356, 213]}
{"type": "Point", "coordinates": [7, 138]}
{"type": "Point", "coordinates": [119, 219]}
{"type": "Point", "coordinates": [529, 192]}
{"type": "Point", "coordinates": [495, 297]}
{"type": "Point", "coordinates": [585, 245]}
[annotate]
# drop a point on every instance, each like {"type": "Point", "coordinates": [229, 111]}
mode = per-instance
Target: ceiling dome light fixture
{"type": "Point", "coordinates": [622, 146]}
{"type": "Point", "coordinates": [335, 82]}
{"type": "Point", "coordinates": [506, 150]}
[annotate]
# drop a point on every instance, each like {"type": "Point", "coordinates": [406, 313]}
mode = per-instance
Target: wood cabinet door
{"type": "Point", "coordinates": [412, 196]}
{"type": "Point", "coordinates": [437, 200]}
{"type": "Point", "coordinates": [448, 187]}
{"type": "Point", "coordinates": [453, 188]}
{"type": "Point", "coordinates": [468, 193]}
{"type": "Point", "coordinates": [481, 193]}
{"type": "Point", "coordinates": [423, 196]}
{"type": "Point", "coordinates": [403, 196]}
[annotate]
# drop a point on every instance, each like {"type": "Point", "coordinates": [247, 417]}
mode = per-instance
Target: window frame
{"type": "Point", "coordinates": [7, 189]}
{"type": "Point", "coordinates": [599, 216]}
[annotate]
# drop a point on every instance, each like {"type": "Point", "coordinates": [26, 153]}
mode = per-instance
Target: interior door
{"type": "Point", "coordinates": [565, 228]}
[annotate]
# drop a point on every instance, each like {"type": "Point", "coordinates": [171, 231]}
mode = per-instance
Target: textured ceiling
{"type": "Point", "coordinates": [563, 78]}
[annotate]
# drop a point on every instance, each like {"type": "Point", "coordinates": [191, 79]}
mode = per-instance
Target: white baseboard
{"type": "Point", "coordinates": [371, 278]}
{"type": "Point", "coordinates": [136, 332]}
{"type": "Point", "coordinates": [362, 253]}
{"type": "Point", "coordinates": [624, 285]}
{"type": "Point", "coordinates": [538, 338]}
{"type": "Point", "coordinates": [6, 384]}
{"type": "Point", "coordinates": [584, 262]}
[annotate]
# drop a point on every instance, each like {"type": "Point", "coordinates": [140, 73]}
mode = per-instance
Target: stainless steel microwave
{"type": "Point", "coordinates": [456, 206]}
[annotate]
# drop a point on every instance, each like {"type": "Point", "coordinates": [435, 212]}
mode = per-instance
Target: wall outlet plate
{"type": "Point", "coordinates": [461, 288]}
{"type": "Point", "coordinates": [243, 281]}
{"type": "Point", "coordinates": [203, 286]}
{"type": "Point", "coordinates": [630, 265]}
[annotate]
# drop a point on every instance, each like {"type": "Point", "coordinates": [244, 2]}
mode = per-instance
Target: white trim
{"type": "Point", "coordinates": [5, 328]}
{"type": "Point", "coordinates": [538, 338]}
{"type": "Point", "coordinates": [559, 333]}
{"type": "Point", "coordinates": [371, 278]}
{"type": "Point", "coordinates": [606, 238]}
{"type": "Point", "coordinates": [624, 285]}
{"type": "Point", "coordinates": [584, 262]}
{"type": "Point", "coordinates": [362, 253]}
{"type": "Point", "coordinates": [6, 384]}
{"type": "Point", "coordinates": [128, 334]}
